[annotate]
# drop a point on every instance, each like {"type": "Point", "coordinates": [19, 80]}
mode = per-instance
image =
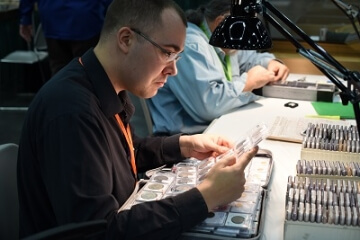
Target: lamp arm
{"type": "Point", "coordinates": [350, 13]}
{"type": "Point", "coordinates": [299, 47]}
{"type": "Point", "coordinates": [302, 34]}
{"type": "Point", "coordinates": [321, 59]}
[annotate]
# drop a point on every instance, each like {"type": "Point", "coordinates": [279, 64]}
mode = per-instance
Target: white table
{"type": "Point", "coordinates": [285, 155]}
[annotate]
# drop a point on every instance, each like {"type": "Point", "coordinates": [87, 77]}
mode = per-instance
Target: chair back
{"type": "Point", "coordinates": [95, 229]}
{"type": "Point", "coordinates": [9, 203]}
{"type": "Point", "coordinates": [39, 39]}
{"type": "Point", "coordinates": [141, 120]}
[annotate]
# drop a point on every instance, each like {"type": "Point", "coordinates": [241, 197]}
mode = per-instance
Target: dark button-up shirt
{"type": "Point", "coordinates": [73, 162]}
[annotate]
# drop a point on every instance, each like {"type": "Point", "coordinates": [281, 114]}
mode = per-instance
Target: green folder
{"type": "Point", "coordinates": [334, 109]}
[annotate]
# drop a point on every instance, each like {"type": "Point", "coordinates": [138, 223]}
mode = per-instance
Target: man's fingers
{"type": "Point", "coordinates": [245, 158]}
{"type": "Point", "coordinates": [229, 159]}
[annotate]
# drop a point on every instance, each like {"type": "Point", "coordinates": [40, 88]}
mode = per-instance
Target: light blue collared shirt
{"type": "Point", "coordinates": [200, 92]}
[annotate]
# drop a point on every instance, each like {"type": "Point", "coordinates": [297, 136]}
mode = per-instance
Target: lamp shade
{"type": "Point", "coordinates": [237, 32]}
{"type": "Point", "coordinates": [242, 29]}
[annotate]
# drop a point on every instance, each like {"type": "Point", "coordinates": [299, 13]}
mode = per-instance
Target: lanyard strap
{"type": "Point", "coordinates": [226, 61]}
{"type": "Point", "coordinates": [127, 133]}
{"type": "Point", "coordinates": [227, 68]}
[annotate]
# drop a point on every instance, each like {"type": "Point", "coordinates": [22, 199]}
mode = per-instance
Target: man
{"type": "Point", "coordinates": [210, 81]}
{"type": "Point", "coordinates": [77, 152]}
{"type": "Point", "coordinates": [70, 27]}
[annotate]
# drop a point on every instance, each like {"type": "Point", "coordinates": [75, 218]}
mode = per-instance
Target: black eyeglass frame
{"type": "Point", "coordinates": [171, 56]}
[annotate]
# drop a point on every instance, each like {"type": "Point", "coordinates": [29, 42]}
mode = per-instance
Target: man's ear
{"type": "Point", "coordinates": [124, 38]}
{"type": "Point", "coordinates": [218, 20]}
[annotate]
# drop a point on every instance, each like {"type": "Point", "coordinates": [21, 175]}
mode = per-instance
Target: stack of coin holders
{"type": "Point", "coordinates": [324, 168]}
{"type": "Point", "coordinates": [331, 142]}
{"type": "Point", "coordinates": [323, 200]}
{"type": "Point", "coordinates": [239, 219]}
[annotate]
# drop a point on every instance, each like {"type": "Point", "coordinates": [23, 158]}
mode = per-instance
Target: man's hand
{"type": "Point", "coordinates": [25, 32]}
{"type": "Point", "coordinates": [201, 146]}
{"type": "Point", "coordinates": [280, 70]}
{"type": "Point", "coordinates": [225, 181]}
{"type": "Point", "coordinates": [258, 77]}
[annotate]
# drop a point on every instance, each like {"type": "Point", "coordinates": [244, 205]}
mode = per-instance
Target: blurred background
{"type": "Point", "coordinates": [320, 19]}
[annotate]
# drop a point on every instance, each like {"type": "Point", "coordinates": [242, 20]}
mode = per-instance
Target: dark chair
{"type": "Point", "coordinates": [74, 231]}
{"type": "Point", "coordinates": [9, 204]}
{"type": "Point", "coordinates": [141, 120]}
{"type": "Point", "coordinates": [34, 54]}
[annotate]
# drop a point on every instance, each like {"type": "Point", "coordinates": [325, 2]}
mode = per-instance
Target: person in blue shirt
{"type": "Point", "coordinates": [210, 81]}
{"type": "Point", "coordinates": [70, 27]}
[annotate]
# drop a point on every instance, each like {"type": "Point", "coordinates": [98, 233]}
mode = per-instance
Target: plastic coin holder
{"type": "Point", "coordinates": [256, 176]}
{"type": "Point", "coordinates": [186, 175]}
{"type": "Point", "coordinates": [215, 219]}
{"type": "Point", "coordinates": [259, 168]}
{"type": "Point", "coordinates": [185, 165]}
{"type": "Point", "coordinates": [186, 169]}
{"type": "Point", "coordinates": [249, 187]}
{"type": "Point", "coordinates": [253, 138]}
{"type": "Point", "coordinates": [243, 207]}
{"type": "Point", "coordinates": [203, 229]}
{"type": "Point", "coordinates": [224, 208]}
{"type": "Point", "coordinates": [203, 171]}
{"type": "Point", "coordinates": [176, 189]}
{"type": "Point", "coordinates": [166, 195]}
{"type": "Point", "coordinates": [254, 229]}
{"type": "Point", "coordinates": [136, 202]}
{"type": "Point", "coordinates": [206, 163]}
{"type": "Point", "coordinates": [188, 162]}
{"type": "Point", "coordinates": [185, 180]}
{"type": "Point", "coordinates": [255, 180]}
{"type": "Point", "coordinates": [166, 178]}
{"type": "Point", "coordinates": [229, 232]}
{"type": "Point", "coordinates": [145, 196]}
{"type": "Point", "coordinates": [259, 165]}
{"type": "Point", "coordinates": [256, 217]}
{"type": "Point", "coordinates": [201, 178]}
{"type": "Point", "coordinates": [239, 220]}
{"type": "Point", "coordinates": [249, 197]}
{"type": "Point", "coordinates": [156, 187]}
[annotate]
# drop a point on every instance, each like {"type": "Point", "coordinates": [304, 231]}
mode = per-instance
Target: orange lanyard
{"type": "Point", "coordinates": [127, 134]}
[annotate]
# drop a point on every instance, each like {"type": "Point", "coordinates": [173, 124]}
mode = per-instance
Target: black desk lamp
{"type": "Point", "coordinates": [243, 30]}
{"type": "Point", "coordinates": [351, 12]}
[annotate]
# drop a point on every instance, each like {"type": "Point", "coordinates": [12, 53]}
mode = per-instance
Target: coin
{"type": "Point", "coordinates": [160, 178]}
{"type": "Point", "coordinates": [181, 188]}
{"type": "Point", "coordinates": [155, 186]}
{"type": "Point", "coordinates": [148, 195]}
{"type": "Point", "coordinates": [237, 219]}
{"type": "Point", "coordinates": [184, 180]}
{"type": "Point", "coordinates": [185, 174]}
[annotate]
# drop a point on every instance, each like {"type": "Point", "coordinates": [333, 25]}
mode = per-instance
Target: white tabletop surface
{"type": "Point", "coordinates": [285, 155]}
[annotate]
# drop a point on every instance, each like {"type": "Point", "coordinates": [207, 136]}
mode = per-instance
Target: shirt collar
{"type": "Point", "coordinates": [110, 102]}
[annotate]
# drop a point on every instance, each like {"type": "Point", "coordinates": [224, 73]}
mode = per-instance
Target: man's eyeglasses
{"type": "Point", "coordinates": [170, 56]}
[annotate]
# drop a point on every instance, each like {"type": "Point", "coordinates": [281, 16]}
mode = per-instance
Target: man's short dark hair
{"type": "Point", "coordinates": [140, 14]}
